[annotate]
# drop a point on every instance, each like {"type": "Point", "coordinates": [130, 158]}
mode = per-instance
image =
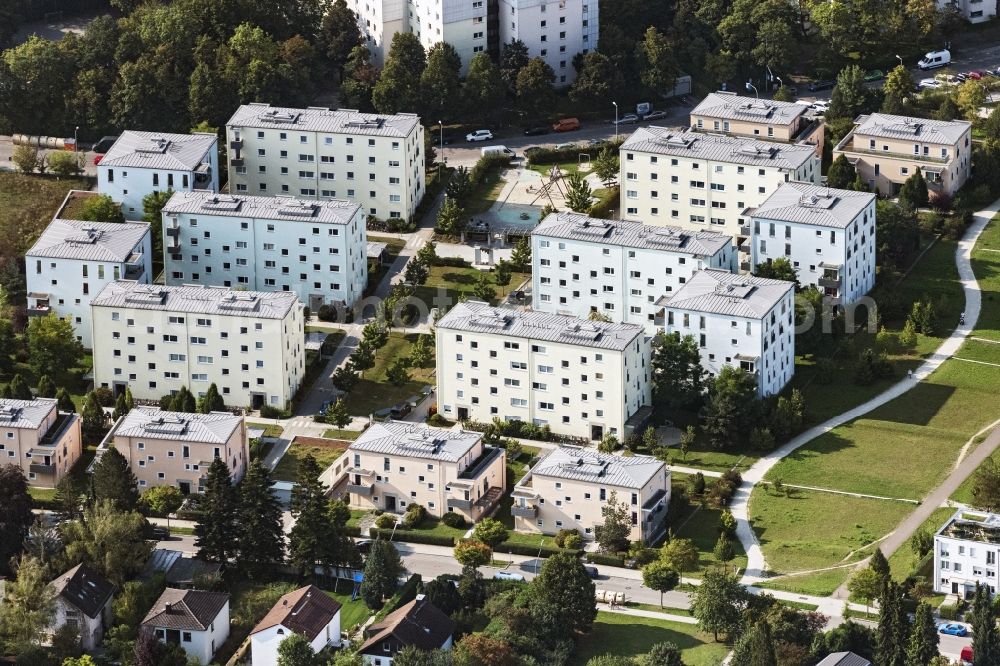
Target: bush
{"type": "Point", "coordinates": [606, 204]}
{"type": "Point", "coordinates": [105, 396]}
{"type": "Point", "coordinates": [415, 514]}
{"type": "Point", "coordinates": [453, 520]}
{"type": "Point", "coordinates": [948, 611]}
{"type": "Point", "coordinates": [524, 549]}
{"type": "Point", "coordinates": [386, 521]}
{"type": "Point", "coordinates": [269, 412]}
{"type": "Point", "coordinates": [413, 536]}
{"type": "Point", "coordinates": [439, 421]}
{"type": "Point", "coordinates": [562, 534]}
{"type": "Point", "coordinates": [605, 559]}
{"type": "Point", "coordinates": [452, 262]}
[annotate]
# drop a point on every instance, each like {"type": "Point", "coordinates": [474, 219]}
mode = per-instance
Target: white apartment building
{"type": "Point", "coordinates": [973, 11]}
{"type": "Point", "coordinates": [555, 30]}
{"type": "Point", "coordinates": [828, 235]}
{"type": "Point", "coordinates": [569, 486]}
{"type": "Point", "coordinates": [73, 260]}
{"type": "Point", "coordinates": [251, 345]}
{"type": "Point", "coordinates": [738, 320]}
{"type": "Point", "coordinates": [965, 553]}
{"type": "Point", "coordinates": [397, 463]}
{"type": "Point", "coordinates": [316, 249]}
{"type": "Point", "coordinates": [140, 163]}
{"type": "Point", "coordinates": [618, 268]}
{"type": "Point", "coordinates": [706, 181]}
{"type": "Point", "coordinates": [315, 153]}
{"type": "Point", "coordinates": [581, 378]}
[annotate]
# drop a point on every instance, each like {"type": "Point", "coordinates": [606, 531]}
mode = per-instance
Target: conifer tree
{"type": "Point", "coordinates": [381, 571]}
{"type": "Point", "coordinates": [923, 646]}
{"type": "Point", "coordinates": [129, 402]}
{"type": "Point", "coordinates": [217, 534]}
{"type": "Point", "coordinates": [309, 538]}
{"type": "Point", "coordinates": [985, 641]}
{"type": "Point", "coordinates": [880, 565]}
{"type": "Point", "coordinates": [211, 401]}
{"type": "Point", "coordinates": [113, 480]}
{"type": "Point", "coordinates": [121, 408]}
{"type": "Point", "coordinates": [65, 402]}
{"type": "Point", "coordinates": [261, 538]}
{"type": "Point", "coordinates": [762, 645]}
{"type": "Point", "coordinates": [45, 388]}
{"type": "Point", "coordinates": [893, 626]}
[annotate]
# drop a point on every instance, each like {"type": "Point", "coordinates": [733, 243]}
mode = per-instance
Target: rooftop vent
{"type": "Point", "coordinates": [676, 140]}
{"type": "Point", "coordinates": [222, 203]}
{"type": "Point", "coordinates": [757, 150]}
{"type": "Point", "coordinates": [9, 413]}
{"type": "Point", "coordinates": [494, 319]}
{"type": "Point", "coordinates": [239, 301]}
{"type": "Point", "coordinates": [369, 122]}
{"type": "Point", "coordinates": [824, 201]}
{"type": "Point", "coordinates": [87, 236]}
{"type": "Point", "coordinates": [162, 425]}
{"type": "Point", "coordinates": [906, 127]}
{"type": "Point", "coordinates": [146, 296]}
{"type": "Point", "coordinates": [156, 145]}
{"type": "Point", "coordinates": [583, 331]}
{"type": "Point", "coordinates": [298, 209]}
{"type": "Point", "coordinates": [734, 289]}
{"type": "Point", "coordinates": [280, 117]}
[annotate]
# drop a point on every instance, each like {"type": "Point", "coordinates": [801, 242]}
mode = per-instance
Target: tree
{"type": "Point", "coordinates": [880, 565]}
{"type": "Point", "coordinates": [416, 272]}
{"type": "Point", "coordinates": [440, 81]}
{"type": "Point", "coordinates": [398, 372]}
{"type": "Point", "coordinates": [398, 88]}
{"type": "Point", "coordinates": [971, 97]}
{"type": "Point", "coordinates": [310, 535]}
{"type": "Point", "coordinates": [422, 352]}
{"type": "Point", "coordinates": [450, 217]}
{"type": "Point", "coordinates": [260, 537]}
{"type": "Point", "coordinates": [566, 585]}
{"type": "Point", "coordinates": [612, 535]}
{"type": "Point", "coordinates": [723, 550]}
{"type": "Point", "coordinates": [113, 480]}
{"type": "Point", "coordinates": [513, 59]}
{"type": "Point", "coordinates": [121, 409]}
{"type": "Point", "coordinates": [339, 35]}
{"type": "Point", "coordinates": [295, 649]}
{"type": "Point", "coordinates": [19, 389]}
{"type": "Point", "coordinates": [606, 166]}
{"type": "Point", "coordinates": [26, 158]}
{"type": "Point", "coordinates": [921, 542]}
{"type": "Point", "coordinates": [727, 417]}
{"type": "Point", "coordinates": [216, 534]}
{"type": "Point", "coordinates": [64, 401]}
{"type": "Point", "coordinates": [893, 627]}
{"type": "Point", "coordinates": [212, 401]}
{"type": "Point", "coordinates": [336, 414]}
{"type": "Point", "coordinates": [491, 532]}
{"type": "Point", "coordinates": [679, 379]}
{"type": "Point", "coordinates": [658, 62]}
{"type": "Point", "coordinates": [112, 541]}
{"type": "Point", "coordinates": [344, 378]}
{"type": "Point", "coordinates": [483, 289]}
{"type": "Point", "coordinates": [93, 418]}
{"type": "Point", "coordinates": [865, 584]}
{"type": "Point", "coordinates": [717, 603]}
{"type": "Point", "coordinates": [535, 91]}
{"type": "Point", "coordinates": [65, 163]}
{"type": "Point", "coordinates": [382, 568]}
{"type": "Point", "coordinates": [664, 654]}
{"type": "Point", "coordinates": [680, 554]}
{"type": "Point", "coordinates": [472, 553]}
{"type": "Point", "coordinates": [784, 94]}
{"type": "Point", "coordinates": [897, 89]}
{"type": "Point", "coordinates": [986, 486]}
{"type": "Point", "coordinates": [359, 79]}
{"type": "Point", "coordinates": [660, 576]}
{"type": "Point", "coordinates": [162, 500]}
{"type": "Point", "coordinates": [913, 194]}
{"type": "Point", "coordinates": [101, 208]}
{"type": "Point", "coordinates": [850, 95]}
{"type": "Point", "coordinates": [897, 235]}
{"type": "Point", "coordinates": [520, 257]}
{"type": "Point", "coordinates": [597, 80]}
{"type": "Point", "coordinates": [923, 645]}
{"type": "Point", "coordinates": [52, 345]}
{"type": "Point", "coordinates": [84, 660]}
{"type": "Point", "coordinates": [762, 645]}
{"type": "Point", "coordinates": [688, 438]}
{"type": "Point", "coordinates": [443, 594]}
{"type": "Point", "coordinates": [985, 640]}
{"type": "Point", "coordinates": [16, 517]}
{"type": "Point", "coordinates": [483, 91]}
{"type": "Point", "coordinates": [502, 274]}
{"type": "Point", "coordinates": [578, 193]}
{"type": "Point", "coordinates": [28, 606]}
{"type": "Point", "coordinates": [480, 649]}
{"type": "Point", "coordinates": [363, 358]}
{"type": "Point", "coordinates": [778, 269]}
{"type": "Point", "coordinates": [841, 173]}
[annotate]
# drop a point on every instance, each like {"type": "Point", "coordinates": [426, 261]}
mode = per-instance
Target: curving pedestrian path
{"type": "Point", "coordinates": [756, 564]}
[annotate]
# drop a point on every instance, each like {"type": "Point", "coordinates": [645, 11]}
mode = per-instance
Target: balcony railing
{"type": "Point", "coordinates": [527, 511]}
{"type": "Point", "coordinates": [459, 503]}
{"type": "Point", "coordinates": [359, 489]}
{"type": "Point", "coordinates": [236, 144]}
{"type": "Point", "coordinates": [480, 464]}
{"type": "Point", "coordinates": [39, 468]}
{"type": "Point", "coordinates": [134, 271]}
{"type": "Point", "coordinates": [173, 231]}
{"type": "Point", "coordinates": [898, 156]}
{"type": "Point", "coordinates": [237, 161]}
{"type": "Point", "coordinates": [829, 283]}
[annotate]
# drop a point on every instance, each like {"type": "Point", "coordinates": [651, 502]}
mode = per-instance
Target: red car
{"type": "Point", "coordinates": [975, 75]}
{"type": "Point", "coordinates": [966, 656]}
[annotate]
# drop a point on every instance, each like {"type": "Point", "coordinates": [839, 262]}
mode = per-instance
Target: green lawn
{"type": "Point", "coordinates": [703, 529]}
{"type": "Point", "coordinates": [986, 265]}
{"type": "Point", "coordinates": [614, 633]}
{"type": "Point", "coordinates": [702, 456]}
{"type": "Point", "coordinates": [483, 197]}
{"type": "Point", "coordinates": [373, 392]}
{"type": "Point", "coordinates": [334, 433]}
{"type": "Point", "coordinates": [516, 469]}
{"type": "Point", "coordinates": [27, 204]}
{"type": "Point", "coordinates": [976, 350]}
{"type": "Point", "coordinates": [324, 451]}
{"type": "Point", "coordinates": [352, 613]}
{"type": "Point", "coordinates": [821, 584]}
{"type": "Point", "coordinates": [270, 429]}
{"type": "Point", "coordinates": [903, 562]}
{"type": "Point", "coordinates": [459, 282]}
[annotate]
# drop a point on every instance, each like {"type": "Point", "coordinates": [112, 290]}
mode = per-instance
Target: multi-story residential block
{"type": "Point", "coordinates": [580, 378]}
{"type": "Point", "coordinates": [396, 463]}
{"type": "Point", "coordinates": [569, 486]}
{"type": "Point", "coordinates": [965, 553]}
{"type": "Point", "coordinates": [768, 119]}
{"type": "Point", "coordinates": [38, 438]}
{"type": "Point", "coordinates": [706, 181]}
{"type": "Point", "coordinates": [555, 30]}
{"type": "Point", "coordinates": [158, 339]}
{"type": "Point", "coordinates": [618, 268]}
{"type": "Point", "coordinates": [176, 448]}
{"type": "Point", "coordinates": [973, 11]}
{"type": "Point", "coordinates": [886, 150]}
{"type": "Point", "coordinates": [73, 260]}
{"type": "Point", "coordinates": [140, 163]}
{"type": "Point", "coordinates": [316, 249]}
{"type": "Point", "coordinates": [82, 599]}
{"type": "Point", "coordinates": [738, 320]}
{"type": "Point", "coordinates": [196, 620]}
{"type": "Point", "coordinates": [315, 153]}
{"type": "Point", "coordinates": [828, 235]}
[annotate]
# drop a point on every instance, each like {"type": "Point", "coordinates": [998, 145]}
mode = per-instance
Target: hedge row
{"type": "Point", "coordinates": [413, 536]}
{"type": "Point", "coordinates": [559, 155]}
{"type": "Point", "coordinates": [606, 560]}
{"type": "Point", "coordinates": [524, 549]}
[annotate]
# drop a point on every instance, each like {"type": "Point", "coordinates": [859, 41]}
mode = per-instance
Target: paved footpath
{"type": "Point", "coordinates": [756, 565]}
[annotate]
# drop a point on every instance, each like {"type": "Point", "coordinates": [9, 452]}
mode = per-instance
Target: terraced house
{"type": "Point", "coordinates": [785, 122]}
{"type": "Point", "coordinates": [44, 442]}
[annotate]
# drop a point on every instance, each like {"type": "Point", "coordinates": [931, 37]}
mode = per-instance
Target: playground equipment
{"type": "Point", "coordinates": [555, 175]}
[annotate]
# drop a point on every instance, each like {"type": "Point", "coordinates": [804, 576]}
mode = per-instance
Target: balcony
{"type": "Point", "coordinates": [527, 511]}
{"type": "Point", "coordinates": [358, 489]}
{"type": "Point", "coordinates": [237, 161]}
{"type": "Point", "coordinates": [459, 503]}
{"type": "Point", "coordinates": [829, 283]}
{"type": "Point", "coordinates": [134, 271]}
{"type": "Point", "coordinates": [173, 231]}
{"type": "Point", "coordinates": [38, 468]}
{"type": "Point", "coordinates": [745, 266]}
{"type": "Point", "coordinates": [482, 463]}
{"type": "Point", "coordinates": [202, 175]}
{"type": "Point", "coordinates": [746, 230]}
{"type": "Point", "coordinates": [236, 144]}
{"type": "Point", "coordinates": [897, 156]}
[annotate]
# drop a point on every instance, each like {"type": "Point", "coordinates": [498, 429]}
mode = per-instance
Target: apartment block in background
{"type": "Point", "coordinates": [395, 463]}
{"type": "Point", "coordinates": [886, 150]}
{"type": "Point", "coordinates": [706, 181]}
{"type": "Point", "coordinates": [568, 487]}
{"type": "Point", "coordinates": [580, 378]}
{"type": "Point", "coordinates": [176, 448]}
{"type": "Point", "coordinates": [38, 438]}
{"type": "Point", "coordinates": [375, 160]}
{"type": "Point", "coordinates": [554, 30]}
{"type": "Point", "coordinates": [767, 119]}
{"type": "Point", "coordinates": [738, 320]}
{"type": "Point", "coordinates": [157, 339]}
{"type": "Point", "coordinates": [617, 268]}
{"type": "Point", "coordinates": [828, 235]}
{"type": "Point", "coordinates": [140, 163]}
{"type": "Point", "coordinates": [965, 553]}
{"type": "Point", "coordinates": [316, 249]}
{"type": "Point", "coordinates": [73, 260]}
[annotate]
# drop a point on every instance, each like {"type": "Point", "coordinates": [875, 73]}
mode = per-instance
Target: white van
{"type": "Point", "coordinates": [508, 575]}
{"type": "Point", "coordinates": [935, 59]}
{"type": "Point", "coordinates": [497, 150]}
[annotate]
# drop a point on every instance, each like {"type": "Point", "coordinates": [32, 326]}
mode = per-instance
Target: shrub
{"type": "Point", "coordinates": [607, 560]}
{"type": "Point", "coordinates": [269, 412]}
{"type": "Point", "coordinates": [948, 611]}
{"type": "Point", "coordinates": [573, 541]}
{"type": "Point", "coordinates": [941, 201]}
{"type": "Point", "coordinates": [413, 537]}
{"type": "Point", "coordinates": [438, 420]}
{"type": "Point", "coordinates": [415, 514]}
{"type": "Point", "coordinates": [385, 521]}
{"type": "Point", "coordinates": [105, 396]}
{"type": "Point", "coordinates": [562, 534]}
{"type": "Point", "coordinates": [454, 520]}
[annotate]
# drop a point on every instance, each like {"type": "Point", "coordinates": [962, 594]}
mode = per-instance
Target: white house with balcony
{"type": "Point", "coordinates": [965, 553]}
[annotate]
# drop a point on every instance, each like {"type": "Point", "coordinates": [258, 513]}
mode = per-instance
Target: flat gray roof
{"type": "Point", "coordinates": [196, 300]}
{"type": "Point", "coordinates": [804, 203]}
{"type": "Point", "coordinates": [415, 440]}
{"type": "Point", "coordinates": [27, 414]}
{"type": "Point", "coordinates": [718, 148]}
{"type": "Point", "coordinates": [287, 209]}
{"type": "Point", "coordinates": [730, 106]}
{"type": "Point", "coordinates": [720, 292]}
{"type": "Point", "coordinates": [89, 241]}
{"type": "Point", "coordinates": [329, 121]}
{"type": "Point", "coordinates": [479, 317]}
{"type": "Point", "coordinates": [584, 464]}
{"type": "Point", "coordinates": [159, 150]}
{"type": "Point", "coordinates": [945, 132]}
{"type": "Point", "coordinates": [152, 423]}
{"type": "Point", "coordinates": [627, 233]}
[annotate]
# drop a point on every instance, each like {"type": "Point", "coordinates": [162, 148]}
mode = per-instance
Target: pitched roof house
{"type": "Point", "coordinates": [419, 623]}
{"type": "Point", "coordinates": [196, 620]}
{"type": "Point", "coordinates": [307, 611]}
{"type": "Point", "coordinates": [83, 600]}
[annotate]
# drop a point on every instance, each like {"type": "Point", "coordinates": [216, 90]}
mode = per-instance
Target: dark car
{"type": "Point", "coordinates": [536, 130]}
{"type": "Point", "coordinates": [364, 545]}
{"type": "Point", "coordinates": [591, 571]}
{"type": "Point", "coordinates": [104, 145]}
{"type": "Point", "coordinates": [160, 533]}
{"type": "Point", "coordinates": [822, 85]}
{"type": "Point", "coordinates": [400, 410]}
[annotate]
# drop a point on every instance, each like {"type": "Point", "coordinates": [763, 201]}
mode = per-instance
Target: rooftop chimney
{"type": "Point", "coordinates": [166, 607]}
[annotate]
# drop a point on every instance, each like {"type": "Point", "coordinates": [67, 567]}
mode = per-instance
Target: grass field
{"type": "Point", "coordinates": [614, 633]}
{"type": "Point", "coordinates": [325, 451]}
{"type": "Point", "coordinates": [27, 204]}
{"type": "Point", "coordinates": [459, 282]}
{"type": "Point", "coordinates": [334, 433]}
{"type": "Point", "coordinates": [352, 613]}
{"type": "Point", "coordinates": [986, 265]}
{"type": "Point", "coordinates": [904, 560]}
{"type": "Point", "coordinates": [270, 429]}
{"type": "Point", "coordinates": [821, 584]}
{"type": "Point", "coordinates": [703, 529]}
{"type": "Point", "coordinates": [373, 392]}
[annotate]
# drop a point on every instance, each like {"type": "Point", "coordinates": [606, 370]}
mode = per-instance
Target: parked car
{"type": "Point", "coordinates": [628, 119]}
{"type": "Point", "coordinates": [975, 75]}
{"type": "Point", "coordinates": [564, 146]}
{"type": "Point", "coordinates": [400, 410]}
{"type": "Point", "coordinates": [825, 84]}
{"type": "Point", "coordinates": [160, 533]}
{"type": "Point", "coordinates": [591, 571]}
{"type": "Point", "coordinates": [508, 575]}
{"type": "Point", "coordinates": [655, 115]}
{"type": "Point", "coordinates": [935, 59]}
{"type": "Point", "coordinates": [479, 135]}
{"type": "Point", "coordinates": [497, 150]}
{"type": "Point", "coordinates": [874, 75]}
{"type": "Point", "coordinates": [566, 125]}
{"type": "Point", "coordinates": [953, 629]}
{"type": "Point", "coordinates": [961, 78]}
{"type": "Point", "coordinates": [967, 654]}
{"type": "Point", "coordinates": [364, 545]}
{"type": "Point", "coordinates": [536, 130]}
{"type": "Point", "coordinates": [820, 106]}
{"type": "Point", "coordinates": [931, 84]}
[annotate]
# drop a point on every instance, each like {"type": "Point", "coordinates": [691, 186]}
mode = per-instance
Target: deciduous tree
{"type": "Point", "coordinates": [101, 208]}
{"type": "Point", "coordinates": [897, 89]}
{"type": "Point", "coordinates": [718, 602]}
{"type": "Point", "coordinates": [359, 79]}
{"type": "Point", "coordinates": [398, 87]}
{"type": "Point", "coordinates": [778, 269]}
{"type": "Point", "coordinates": [535, 88]}
{"type": "Point", "coordinates": [565, 584]}
{"type": "Point", "coordinates": [440, 82]}
{"type": "Point", "coordinates": [727, 417]}
{"type": "Point", "coordinates": [339, 35]}
{"type": "Point", "coordinates": [52, 345]}
{"type": "Point", "coordinates": [679, 380]}
{"type": "Point", "coordinates": [841, 173]}
{"type": "Point", "coordinates": [513, 58]}
{"type": "Point", "coordinates": [660, 576]}
{"type": "Point", "coordinates": [680, 554]}
{"type": "Point", "coordinates": [612, 534]}
{"type": "Point", "coordinates": [491, 532]}
{"type": "Point", "coordinates": [484, 90]}
{"type": "Point", "coordinates": [112, 541]}
{"type": "Point", "coordinates": [598, 80]}
{"type": "Point", "coordinates": [472, 553]}
{"type": "Point", "coordinates": [28, 606]}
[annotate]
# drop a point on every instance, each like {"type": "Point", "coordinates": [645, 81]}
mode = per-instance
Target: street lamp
{"type": "Point", "coordinates": [75, 131]}
{"type": "Point", "coordinates": [616, 120]}
{"type": "Point", "coordinates": [900, 59]}
{"type": "Point", "coordinates": [751, 86]}
{"type": "Point", "coordinates": [781, 84]}
{"type": "Point", "coordinates": [444, 159]}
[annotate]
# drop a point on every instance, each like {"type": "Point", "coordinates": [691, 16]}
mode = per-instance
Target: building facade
{"type": "Point", "coordinates": [580, 378]}
{"type": "Point", "coordinates": [418, 623]}
{"type": "Point", "coordinates": [176, 448]}
{"type": "Point", "coordinates": [569, 486]}
{"type": "Point", "coordinates": [886, 150]}
{"type": "Point", "coordinates": [82, 600]}
{"type": "Point", "coordinates": [307, 611]}
{"type": "Point", "coordinates": [617, 268]}
{"type": "Point", "coordinates": [738, 320]}
{"type": "Point", "coordinates": [251, 345]}
{"type": "Point", "coordinates": [396, 463]}
{"type": "Point", "coordinates": [965, 553]}
{"type": "Point", "coordinates": [706, 181]}
{"type": "Point", "coordinates": [73, 260]}
{"type": "Point", "coordinates": [373, 160]}
{"type": "Point", "coordinates": [554, 30]}
{"type": "Point", "coordinates": [196, 620]}
{"type": "Point", "coordinates": [973, 11]}
{"type": "Point", "coordinates": [140, 163]}
{"type": "Point", "coordinates": [44, 442]}
{"type": "Point", "coordinates": [828, 235]}
{"type": "Point", "coordinates": [767, 119]}
{"type": "Point", "coordinates": [315, 249]}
